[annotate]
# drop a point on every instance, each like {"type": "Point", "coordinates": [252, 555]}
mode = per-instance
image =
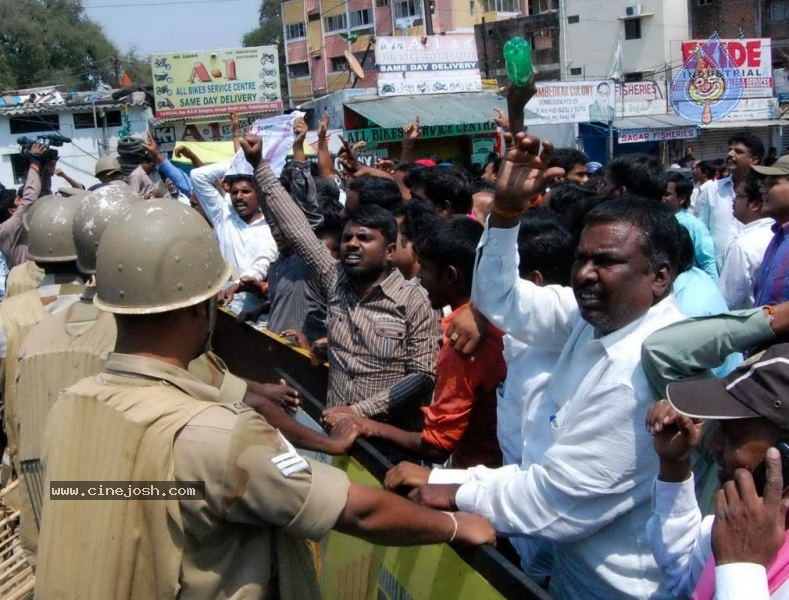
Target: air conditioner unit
{"type": "Point", "coordinates": [405, 22]}
{"type": "Point", "coordinates": [633, 10]}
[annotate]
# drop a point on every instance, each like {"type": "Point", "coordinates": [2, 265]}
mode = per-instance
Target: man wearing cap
{"type": "Point", "coordinates": [107, 170]}
{"type": "Point", "coordinates": [146, 418]}
{"type": "Point", "coordinates": [52, 248]}
{"type": "Point", "coordinates": [772, 281]}
{"type": "Point", "coordinates": [742, 551]}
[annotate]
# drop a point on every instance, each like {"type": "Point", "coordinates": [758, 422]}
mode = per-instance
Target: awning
{"type": "Point", "coordinates": [432, 109]}
{"type": "Point", "coordinates": [746, 124]}
{"type": "Point", "coordinates": [666, 121]}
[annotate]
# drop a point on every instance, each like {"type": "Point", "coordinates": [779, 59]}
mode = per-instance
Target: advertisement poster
{"type": "Point", "coordinates": [572, 102]}
{"type": "Point", "coordinates": [752, 56]}
{"type": "Point", "coordinates": [709, 84]}
{"type": "Point", "coordinates": [433, 64]}
{"type": "Point", "coordinates": [216, 82]}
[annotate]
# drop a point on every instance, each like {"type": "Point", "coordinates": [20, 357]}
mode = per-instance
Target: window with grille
{"type": "Point", "coordinates": [406, 8]}
{"type": "Point", "coordinates": [335, 23]}
{"type": "Point", "coordinates": [361, 18]}
{"type": "Point", "coordinates": [633, 29]}
{"type": "Point", "coordinates": [295, 31]}
{"type": "Point", "coordinates": [299, 70]}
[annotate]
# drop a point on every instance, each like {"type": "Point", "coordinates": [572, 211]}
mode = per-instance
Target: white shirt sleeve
{"type": "Point", "coordinates": [216, 207]}
{"type": "Point", "coordinates": [588, 478]}
{"type": "Point", "coordinates": [260, 266]}
{"type": "Point", "coordinates": [444, 476]}
{"type": "Point", "coordinates": [735, 581]}
{"type": "Point", "coordinates": [679, 539]}
{"type": "Point", "coordinates": [539, 316]}
{"type": "Point", "coordinates": [703, 207]}
{"type": "Point", "coordinates": [735, 278]}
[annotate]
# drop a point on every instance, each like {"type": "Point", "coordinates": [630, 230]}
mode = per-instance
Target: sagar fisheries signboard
{"type": "Point", "coordinates": [216, 82]}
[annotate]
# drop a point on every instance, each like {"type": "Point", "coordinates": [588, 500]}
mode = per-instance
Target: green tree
{"type": "Point", "coordinates": [46, 42]}
{"type": "Point", "coordinates": [269, 33]}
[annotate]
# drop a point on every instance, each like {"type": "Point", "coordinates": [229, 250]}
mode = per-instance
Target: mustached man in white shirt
{"type": "Point", "coordinates": [746, 251]}
{"type": "Point", "coordinates": [589, 492]}
{"type": "Point", "coordinates": [714, 204]}
{"type": "Point", "coordinates": [742, 551]}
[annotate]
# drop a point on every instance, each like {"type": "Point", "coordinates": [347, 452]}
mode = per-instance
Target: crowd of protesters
{"type": "Point", "coordinates": [589, 357]}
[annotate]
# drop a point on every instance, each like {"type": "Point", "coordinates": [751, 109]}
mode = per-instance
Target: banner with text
{"type": "Point", "coordinates": [216, 82]}
{"type": "Point", "coordinates": [753, 57]}
{"type": "Point", "coordinates": [571, 102]}
{"type": "Point", "coordinates": [631, 136]}
{"type": "Point", "coordinates": [433, 64]}
{"type": "Point", "coordinates": [636, 98]}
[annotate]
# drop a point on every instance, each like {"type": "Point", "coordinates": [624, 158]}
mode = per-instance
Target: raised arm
{"type": "Point", "coordinates": [411, 133]}
{"type": "Point", "coordinates": [544, 316]}
{"type": "Point", "coordinates": [325, 162]}
{"type": "Point", "coordinates": [288, 217]}
{"type": "Point", "coordinates": [167, 169]}
{"type": "Point", "coordinates": [216, 208]}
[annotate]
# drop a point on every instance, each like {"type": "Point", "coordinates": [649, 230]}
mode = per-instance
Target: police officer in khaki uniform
{"type": "Point", "coordinates": [51, 246]}
{"type": "Point", "coordinates": [146, 418]}
{"type": "Point", "coordinates": [26, 275]}
{"type": "Point", "coordinates": [61, 349]}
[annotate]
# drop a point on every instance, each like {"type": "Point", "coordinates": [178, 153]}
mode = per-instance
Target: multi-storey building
{"type": "Point", "coordinates": [318, 32]}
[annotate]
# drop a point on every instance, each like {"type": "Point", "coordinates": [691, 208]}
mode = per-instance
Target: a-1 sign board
{"type": "Point", "coordinates": [216, 82]}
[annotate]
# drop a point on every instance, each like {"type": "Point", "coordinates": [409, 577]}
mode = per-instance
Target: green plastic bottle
{"type": "Point", "coordinates": [517, 57]}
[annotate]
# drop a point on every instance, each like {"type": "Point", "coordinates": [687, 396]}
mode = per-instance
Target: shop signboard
{"type": "Point", "coordinates": [632, 136]}
{"type": "Point", "coordinates": [754, 109]}
{"type": "Point", "coordinates": [637, 98]}
{"type": "Point", "coordinates": [433, 64]}
{"type": "Point", "coordinates": [752, 57]}
{"type": "Point", "coordinates": [216, 82]}
{"type": "Point", "coordinates": [384, 135]}
{"type": "Point", "coordinates": [571, 102]}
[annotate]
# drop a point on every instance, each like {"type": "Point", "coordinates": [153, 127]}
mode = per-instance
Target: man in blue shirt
{"type": "Point", "coordinates": [772, 284]}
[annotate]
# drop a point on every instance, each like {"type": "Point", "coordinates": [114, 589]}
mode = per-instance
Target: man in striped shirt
{"type": "Point", "coordinates": [383, 335]}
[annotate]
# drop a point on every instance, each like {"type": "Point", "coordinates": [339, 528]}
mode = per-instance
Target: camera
{"type": "Point", "coordinates": [47, 139]}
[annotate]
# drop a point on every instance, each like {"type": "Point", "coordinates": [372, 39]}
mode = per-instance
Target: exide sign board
{"type": "Point", "coordinates": [753, 57]}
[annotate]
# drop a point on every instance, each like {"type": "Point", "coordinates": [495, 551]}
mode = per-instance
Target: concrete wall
{"type": "Point", "coordinates": [592, 41]}
{"type": "Point", "coordinates": [78, 158]}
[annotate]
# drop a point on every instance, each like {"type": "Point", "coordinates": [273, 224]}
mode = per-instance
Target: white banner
{"type": "Point", "coordinates": [433, 64]}
{"type": "Point", "coordinates": [571, 102]}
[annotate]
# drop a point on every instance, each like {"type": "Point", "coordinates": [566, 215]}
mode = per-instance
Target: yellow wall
{"type": "Point", "coordinates": [293, 12]}
{"type": "Point", "coordinates": [300, 88]}
{"type": "Point", "coordinates": [314, 35]}
{"type": "Point", "coordinates": [338, 81]}
{"type": "Point", "coordinates": [329, 8]}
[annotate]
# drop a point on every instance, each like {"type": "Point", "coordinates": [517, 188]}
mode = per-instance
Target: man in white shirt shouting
{"type": "Point", "coordinates": [589, 493]}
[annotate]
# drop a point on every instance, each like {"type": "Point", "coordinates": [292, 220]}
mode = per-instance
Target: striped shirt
{"type": "Point", "coordinates": [383, 347]}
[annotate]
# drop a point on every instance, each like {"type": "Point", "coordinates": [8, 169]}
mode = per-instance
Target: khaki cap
{"type": "Point", "coordinates": [158, 256]}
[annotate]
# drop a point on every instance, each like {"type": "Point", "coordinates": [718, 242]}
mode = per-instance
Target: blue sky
{"type": "Point", "coordinates": [153, 26]}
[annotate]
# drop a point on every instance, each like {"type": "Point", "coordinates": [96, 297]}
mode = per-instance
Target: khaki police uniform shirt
{"type": "Point", "coordinates": [255, 481]}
